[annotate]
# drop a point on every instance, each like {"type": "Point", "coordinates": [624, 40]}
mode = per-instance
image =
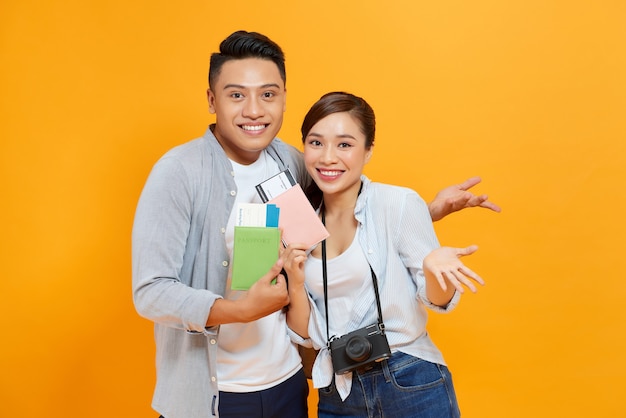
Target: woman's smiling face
{"type": "Point", "coordinates": [335, 153]}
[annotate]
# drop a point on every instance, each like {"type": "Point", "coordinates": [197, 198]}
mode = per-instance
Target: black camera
{"type": "Point", "coordinates": [359, 348]}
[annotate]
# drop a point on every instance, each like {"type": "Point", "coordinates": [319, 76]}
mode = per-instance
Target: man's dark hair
{"type": "Point", "coordinates": [242, 45]}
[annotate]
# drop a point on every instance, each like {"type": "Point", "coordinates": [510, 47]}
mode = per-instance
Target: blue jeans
{"type": "Point", "coordinates": [402, 386]}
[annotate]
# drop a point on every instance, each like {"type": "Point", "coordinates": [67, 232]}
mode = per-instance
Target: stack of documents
{"type": "Point", "coordinates": [257, 240]}
{"type": "Point", "coordinates": [298, 221]}
{"type": "Point", "coordinates": [258, 228]}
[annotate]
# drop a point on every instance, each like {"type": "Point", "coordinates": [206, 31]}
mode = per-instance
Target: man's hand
{"type": "Point", "coordinates": [269, 294]}
{"type": "Point", "coordinates": [457, 197]}
{"type": "Point", "coordinates": [266, 296]}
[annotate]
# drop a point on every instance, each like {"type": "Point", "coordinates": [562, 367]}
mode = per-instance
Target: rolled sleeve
{"type": "Point", "coordinates": [421, 296]}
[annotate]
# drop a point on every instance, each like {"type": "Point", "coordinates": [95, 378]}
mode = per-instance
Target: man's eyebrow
{"type": "Point", "coordinates": [241, 86]}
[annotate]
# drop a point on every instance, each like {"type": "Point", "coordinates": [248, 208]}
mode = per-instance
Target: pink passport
{"type": "Point", "coordinates": [298, 219]}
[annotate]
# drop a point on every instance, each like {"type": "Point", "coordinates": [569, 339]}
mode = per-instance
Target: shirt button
{"type": "Point", "coordinates": [232, 173]}
{"type": "Point", "coordinates": [223, 230]}
{"type": "Point", "coordinates": [232, 192]}
{"type": "Point", "coordinates": [213, 379]}
{"type": "Point", "coordinates": [370, 251]}
{"type": "Point", "coordinates": [225, 263]}
{"type": "Point", "coordinates": [213, 341]}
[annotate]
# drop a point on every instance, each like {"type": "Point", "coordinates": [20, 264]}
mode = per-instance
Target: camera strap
{"type": "Point", "coordinates": [381, 325]}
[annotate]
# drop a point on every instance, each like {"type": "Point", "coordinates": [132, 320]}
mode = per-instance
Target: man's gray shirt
{"type": "Point", "coordinates": [180, 265]}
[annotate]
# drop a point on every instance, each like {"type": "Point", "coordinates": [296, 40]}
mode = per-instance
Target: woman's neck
{"type": "Point", "coordinates": [338, 216]}
{"type": "Point", "coordinates": [339, 203]}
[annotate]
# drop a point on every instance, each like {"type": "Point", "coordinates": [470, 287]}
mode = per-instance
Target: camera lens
{"type": "Point", "coordinates": [358, 348]}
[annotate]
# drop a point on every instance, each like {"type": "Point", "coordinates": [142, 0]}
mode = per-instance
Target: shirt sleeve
{"type": "Point", "coordinates": [159, 238]}
{"type": "Point", "coordinates": [416, 239]}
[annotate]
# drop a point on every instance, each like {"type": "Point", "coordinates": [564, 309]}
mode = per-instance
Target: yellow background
{"type": "Point", "coordinates": [531, 95]}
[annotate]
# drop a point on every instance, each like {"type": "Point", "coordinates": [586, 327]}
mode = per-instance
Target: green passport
{"type": "Point", "coordinates": [254, 252]}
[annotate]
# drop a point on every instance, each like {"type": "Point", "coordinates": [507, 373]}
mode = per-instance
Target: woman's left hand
{"type": "Point", "coordinates": [294, 257]}
{"type": "Point", "coordinates": [445, 264]}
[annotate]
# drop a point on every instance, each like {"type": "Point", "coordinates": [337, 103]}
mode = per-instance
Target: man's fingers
{"type": "Point", "coordinates": [274, 271]}
{"type": "Point", "coordinates": [280, 280]}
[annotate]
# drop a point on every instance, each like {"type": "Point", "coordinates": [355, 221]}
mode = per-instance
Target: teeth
{"type": "Point", "coordinates": [252, 127]}
{"type": "Point", "coordinates": [330, 173]}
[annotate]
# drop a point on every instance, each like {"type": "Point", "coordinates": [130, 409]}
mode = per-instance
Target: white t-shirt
{"type": "Point", "coordinates": [348, 274]}
{"type": "Point", "coordinates": [255, 355]}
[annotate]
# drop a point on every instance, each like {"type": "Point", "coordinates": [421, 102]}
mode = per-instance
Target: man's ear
{"type": "Point", "coordinates": [211, 98]}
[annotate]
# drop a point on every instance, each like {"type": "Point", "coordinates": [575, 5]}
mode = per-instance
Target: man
{"type": "Point", "coordinates": [221, 352]}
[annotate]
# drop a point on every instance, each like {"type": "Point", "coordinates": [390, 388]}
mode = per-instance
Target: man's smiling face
{"type": "Point", "coordinates": [248, 99]}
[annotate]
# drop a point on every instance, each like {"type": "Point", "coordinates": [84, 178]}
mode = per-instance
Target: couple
{"type": "Point", "coordinates": [233, 353]}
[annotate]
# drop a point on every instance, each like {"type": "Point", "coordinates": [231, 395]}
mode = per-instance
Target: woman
{"type": "Point", "coordinates": [382, 243]}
